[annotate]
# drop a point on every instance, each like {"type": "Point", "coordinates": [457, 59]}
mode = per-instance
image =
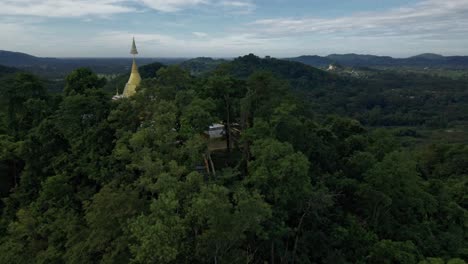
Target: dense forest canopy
{"type": "Point", "coordinates": [374, 97]}
{"type": "Point", "coordinates": [309, 174]}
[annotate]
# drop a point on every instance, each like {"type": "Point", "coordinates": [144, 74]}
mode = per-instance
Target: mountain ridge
{"type": "Point", "coordinates": [359, 60]}
{"type": "Point", "coordinates": [201, 65]}
{"type": "Point", "coordinates": [61, 67]}
{"type": "Point", "coordinates": [18, 59]}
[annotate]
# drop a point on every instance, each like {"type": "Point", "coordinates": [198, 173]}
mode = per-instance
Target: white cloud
{"type": "Point", "coordinates": [431, 25]}
{"type": "Point", "coordinates": [63, 8]}
{"type": "Point", "coordinates": [427, 18]}
{"type": "Point", "coordinates": [80, 8]}
{"type": "Point", "coordinates": [172, 5]}
{"type": "Point", "coordinates": [17, 34]}
{"type": "Point", "coordinates": [24, 35]}
{"type": "Point", "coordinates": [238, 7]}
{"type": "Point", "coordinates": [150, 45]}
{"type": "Point", "coordinates": [200, 34]}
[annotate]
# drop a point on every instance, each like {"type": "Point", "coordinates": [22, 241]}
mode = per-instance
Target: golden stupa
{"type": "Point", "coordinates": [135, 79]}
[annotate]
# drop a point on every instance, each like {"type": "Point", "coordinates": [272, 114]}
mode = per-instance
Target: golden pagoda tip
{"type": "Point", "coordinates": [134, 50]}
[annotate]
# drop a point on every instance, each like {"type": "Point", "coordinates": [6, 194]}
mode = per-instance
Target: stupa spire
{"type": "Point", "coordinates": [134, 50]}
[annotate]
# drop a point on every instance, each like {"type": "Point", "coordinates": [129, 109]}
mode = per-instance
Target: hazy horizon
{"type": "Point", "coordinates": [227, 29]}
{"type": "Point", "coordinates": [233, 57]}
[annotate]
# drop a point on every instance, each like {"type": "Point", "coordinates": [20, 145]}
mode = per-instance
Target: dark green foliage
{"type": "Point", "coordinates": [374, 97]}
{"type": "Point", "coordinates": [388, 252]}
{"type": "Point", "coordinates": [7, 70]}
{"type": "Point", "coordinates": [300, 75]}
{"type": "Point", "coordinates": [90, 180]}
{"type": "Point", "coordinates": [23, 98]}
{"type": "Point", "coordinates": [201, 66]}
{"type": "Point", "coordinates": [389, 98]}
{"type": "Point", "coordinates": [149, 70]}
{"type": "Point", "coordinates": [82, 79]}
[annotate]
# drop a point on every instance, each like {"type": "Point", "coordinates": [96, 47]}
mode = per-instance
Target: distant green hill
{"type": "Point", "coordinates": [58, 68]}
{"type": "Point", "coordinates": [313, 60]}
{"type": "Point", "coordinates": [301, 76]}
{"type": "Point", "coordinates": [429, 56]}
{"type": "Point", "coordinates": [399, 98]}
{"type": "Point", "coordinates": [11, 58]}
{"type": "Point", "coordinates": [361, 60]}
{"type": "Point", "coordinates": [4, 70]}
{"type": "Point", "coordinates": [149, 70]}
{"type": "Point", "coordinates": [358, 60]}
{"type": "Point", "coordinates": [202, 65]}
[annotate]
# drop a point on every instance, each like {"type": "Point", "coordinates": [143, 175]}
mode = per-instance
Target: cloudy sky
{"type": "Point", "coordinates": [224, 28]}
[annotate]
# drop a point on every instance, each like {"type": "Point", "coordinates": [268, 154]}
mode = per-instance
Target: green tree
{"type": "Point", "coordinates": [160, 234]}
{"type": "Point", "coordinates": [226, 93]}
{"type": "Point", "coordinates": [396, 199]}
{"type": "Point", "coordinates": [281, 175]}
{"type": "Point", "coordinates": [81, 79]}
{"type": "Point", "coordinates": [24, 98]}
{"type": "Point", "coordinates": [389, 252]}
{"type": "Point", "coordinates": [197, 116]}
{"type": "Point", "coordinates": [223, 225]}
{"type": "Point", "coordinates": [105, 239]}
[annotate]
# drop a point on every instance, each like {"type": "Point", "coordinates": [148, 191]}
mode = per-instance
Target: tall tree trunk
{"type": "Point", "coordinates": [272, 253]}
{"type": "Point", "coordinates": [207, 166]}
{"type": "Point", "coordinates": [212, 165]}
{"type": "Point", "coordinates": [246, 106]}
{"type": "Point", "coordinates": [299, 227]}
{"type": "Point", "coordinates": [228, 125]}
{"type": "Point", "coordinates": [15, 173]}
